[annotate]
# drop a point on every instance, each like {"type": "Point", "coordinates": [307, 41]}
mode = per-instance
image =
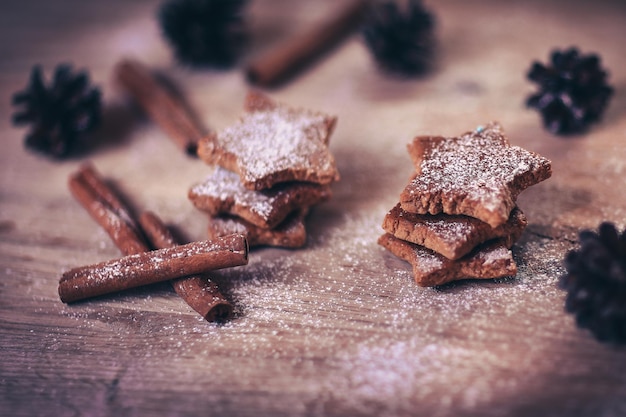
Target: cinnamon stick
{"type": "Point", "coordinates": [282, 61]}
{"type": "Point", "coordinates": [107, 210]}
{"type": "Point", "coordinates": [92, 178]}
{"type": "Point", "coordinates": [166, 109]}
{"type": "Point", "coordinates": [151, 267]}
{"type": "Point", "coordinates": [198, 291]}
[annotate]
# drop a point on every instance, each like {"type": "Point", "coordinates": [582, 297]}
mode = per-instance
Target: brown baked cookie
{"type": "Point", "coordinates": [451, 236]}
{"type": "Point", "coordinates": [291, 233]}
{"type": "Point", "coordinates": [490, 260]}
{"type": "Point", "coordinates": [477, 174]}
{"type": "Point", "coordinates": [273, 143]}
{"type": "Point", "coordinates": [223, 193]}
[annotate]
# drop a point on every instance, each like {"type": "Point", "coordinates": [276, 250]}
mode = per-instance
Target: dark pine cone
{"type": "Point", "coordinates": [204, 32]}
{"type": "Point", "coordinates": [401, 41]}
{"type": "Point", "coordinates": [596, 283]}
{"type": "Point", "coordinates": [58, 114]}
{"type": "Point", "coordinates": [572, 91]}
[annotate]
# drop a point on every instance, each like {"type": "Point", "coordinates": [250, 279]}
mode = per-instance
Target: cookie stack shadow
{"type": "Point", "coordinates": [457, 217]}
{"type": "Point", "coordinates": [270, 169]}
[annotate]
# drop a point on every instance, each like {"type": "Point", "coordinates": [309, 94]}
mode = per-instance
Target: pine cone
{"type": "Point", "coordinates": [596, 283]}
{"type": "Point", "coordinates": [59, 114]}
{"type": "Point", "coordinates": [572, 91]}
{"type": "Point", "coordinates": [204, 32]}
{"type": "Point", "coordinates": [401, 41]}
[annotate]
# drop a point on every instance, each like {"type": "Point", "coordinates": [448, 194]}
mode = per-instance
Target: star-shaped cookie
{"type": "Point", "coordinates": [291, 233]}
{"type": "Point", "coordinates": [223, 193]}
{"type": "Point", "coordinates": [451, 236]}
{"type": "Point", "coordinates": [490, 260]}
{"type": "Point", "coordinates": [273, 143]}
{"type": "Point", "coordinates": [477, 174]}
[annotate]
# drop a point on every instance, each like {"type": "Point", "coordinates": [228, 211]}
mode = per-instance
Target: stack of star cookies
{"type": "Point", "coordinates": [457, 217]}
{"type": "Point", "coordinates": [271, 167]}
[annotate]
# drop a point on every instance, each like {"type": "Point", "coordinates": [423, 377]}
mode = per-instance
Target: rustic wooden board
{"type": "Point", "coordinates": [337, 328]}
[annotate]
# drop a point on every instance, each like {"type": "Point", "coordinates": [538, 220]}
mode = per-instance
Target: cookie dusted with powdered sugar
{"type": "Point", "coordinates": [490, 260]}
{"type": "Point", "coordinates": [291, 233]}
{"type": "Point", "coordinates": [451, 236]}
{"type": "Point", "coordinates": [223, 193]}
{"type": "Point", "coordinates": [273, 143]}
{"type": "Point", "coordinates": [477, 174]}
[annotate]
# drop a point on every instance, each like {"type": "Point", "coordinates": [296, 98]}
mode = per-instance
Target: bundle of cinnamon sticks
{"type": "Point", "coordinates": [183, 265]}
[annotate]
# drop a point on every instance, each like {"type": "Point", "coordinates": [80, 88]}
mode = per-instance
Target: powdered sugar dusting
{"type": "Point", "coordinates": [397, 357]}
{"type": "Point", "coordinates": [226, 225]}
{"type": "Point", "coordinates": [380, 346]}
{"type": "Point", "coordinates": [223, 193]}
{"type": "Point", "coordinates": [129, 268]}
{"type": "Point", "coordinates": [494, 255]}
{"type": "Point", "coordinates": [427, 262]}
{"type": "Point", "coordinates": [225, 186]}
{"type": "Point", "coordinates": [476, 168]}
{"type": "Point", "coordinates": [279, 140]}
{"type": "Point", "coordinates": [450, 235]}
{"type": "Point", "coordinates": [447, 229]}
{"type": "Point", "coordinates": [291, 233]}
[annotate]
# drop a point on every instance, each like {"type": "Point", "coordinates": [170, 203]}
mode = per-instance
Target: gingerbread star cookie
{"type": "Point", "coordinates": [452, 236]}
{"type": "Point", "coordinates": [490, 260]}
{"type": "Point", "coordinates": [274, 143]}
{"type": "Point", "coordinates": [291, 233]}
{"type": "Point", "coordinates": [223, 193]}
{"type": "Point", "coordinates": [477, 174]}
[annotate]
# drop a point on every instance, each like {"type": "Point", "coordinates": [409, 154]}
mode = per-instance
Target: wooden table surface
{"type": "Point", "coordinates": [337, 328]}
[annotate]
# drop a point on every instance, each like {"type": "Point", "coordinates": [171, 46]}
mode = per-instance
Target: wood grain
{"type": "Point", "coordinates": [338, 328]}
